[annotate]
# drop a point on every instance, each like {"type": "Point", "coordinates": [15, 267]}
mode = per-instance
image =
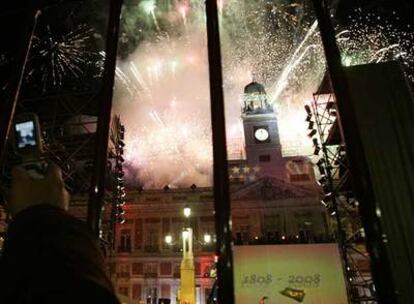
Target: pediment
{"type": "Point", "coordinates": [271, 188]}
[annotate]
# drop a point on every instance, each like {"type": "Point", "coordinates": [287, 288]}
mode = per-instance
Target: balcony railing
{"type": "Point", "coordinates": [286, 240]}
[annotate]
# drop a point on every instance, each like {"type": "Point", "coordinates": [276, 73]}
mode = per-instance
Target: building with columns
{"type": "Point", "coordinates": [275, 200]}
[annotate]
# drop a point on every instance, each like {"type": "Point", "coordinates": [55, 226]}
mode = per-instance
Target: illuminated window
{"type": "Point", "coordinates": [151, 270]}
{"type": "Point", "coordinates": [165, 268]}
{"type": "Point", "coordinates": [136, 291]}
{"type": "Point", "coordinates": [125, 240]}
{"type": "Point", "coordinates": [137, 268]}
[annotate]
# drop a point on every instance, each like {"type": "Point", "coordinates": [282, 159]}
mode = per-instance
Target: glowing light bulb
{"type": "Point", "coordinates": [168, 239]}
{"type": "Point", "coordinates": [186, 234]}
{"type": "Point", "coordinates": [187, 211]}
{"type": "Point", "coordinates": [207, 238]}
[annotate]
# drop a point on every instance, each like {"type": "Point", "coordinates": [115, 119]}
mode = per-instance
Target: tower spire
{"type": "Point", "coordinates": [254, 76]}
{"type": "Point", "coordinates": [261, 131]}
{"type": "Point", "coordinates": [255, 99]}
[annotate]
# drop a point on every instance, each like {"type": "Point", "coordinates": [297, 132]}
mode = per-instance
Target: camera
{"type": "Point", "coordinates": [28, 144]}
{"type": "Point", "coordinates": [27, 137]}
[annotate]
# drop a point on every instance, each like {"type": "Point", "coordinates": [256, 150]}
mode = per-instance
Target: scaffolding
{"type": "Point", "coordinates": [339, 201]}
{"type": "Point", "coordinates": [72, 101]}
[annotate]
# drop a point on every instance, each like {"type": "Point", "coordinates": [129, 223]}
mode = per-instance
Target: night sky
{"type": "Point", "coordinates": [15, 19]}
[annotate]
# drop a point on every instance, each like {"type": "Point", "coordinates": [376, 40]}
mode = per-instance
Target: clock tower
{"type": "Point", "coordinates": [261, 132]}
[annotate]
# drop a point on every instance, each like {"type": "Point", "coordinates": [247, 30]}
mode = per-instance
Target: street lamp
{"type": "Point", "coordinates": [187, 211]}
{"type": "Point", "coordinates": [187, 267]}
{"type": "Point", "coordinates": [168, 239]}
{"type": "Point", "coordinates": [207, 238]}
{"type": "Point", "coordinates": [186, 234]}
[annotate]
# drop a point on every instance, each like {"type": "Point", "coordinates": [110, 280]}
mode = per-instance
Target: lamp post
{"type": "Point", "coordinates": [187, 212]}
{"type": "Point", "coordinates": [187, 268]}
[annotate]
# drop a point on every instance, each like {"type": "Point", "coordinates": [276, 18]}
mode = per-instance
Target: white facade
{"type": "Point", "coordinates": [265, 211]}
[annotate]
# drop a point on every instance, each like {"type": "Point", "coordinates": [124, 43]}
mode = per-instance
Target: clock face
{"type": "Point", "coordinates": [261, 134]}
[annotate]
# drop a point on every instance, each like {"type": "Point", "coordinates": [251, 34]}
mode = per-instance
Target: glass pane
{"type": "Point", "coordinates": [295, 217]}
{"type": "Point", "coordinates": [286, 241]}
{"type": "Point", "coordinates": [162, 98]}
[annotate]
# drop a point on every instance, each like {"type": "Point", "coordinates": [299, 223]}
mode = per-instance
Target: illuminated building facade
{"type": "Point", "coordinates": [275, 200]}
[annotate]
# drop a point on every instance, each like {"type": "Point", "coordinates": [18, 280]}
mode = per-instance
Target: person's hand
{"type": "Point", "coordinates": [26, 191]}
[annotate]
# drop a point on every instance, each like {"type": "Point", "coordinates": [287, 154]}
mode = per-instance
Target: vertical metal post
{"type": "Point", "coordinates": [340, 232]}
{"type": "Point", "coordinates": [104, 119]}
{"type": "Point", "coordinates": [222, 205]}
{"type": "Point", "coordinates": [9, 107]}
{"type": "Point", "coordinates": [376, 246]}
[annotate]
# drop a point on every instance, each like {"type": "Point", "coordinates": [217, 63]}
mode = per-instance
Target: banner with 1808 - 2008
{"type": "Point", "coordinates": [288, 274]}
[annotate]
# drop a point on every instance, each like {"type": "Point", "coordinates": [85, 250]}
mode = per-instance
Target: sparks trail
{"type": "Point", "coordinates": [372, 39]}
{"type": "Point", "coordinates": [282, 82]}
{"type": "Point", "coordinates": [163, 84]}
{"type": "Point", "coordinates": [57, 57]}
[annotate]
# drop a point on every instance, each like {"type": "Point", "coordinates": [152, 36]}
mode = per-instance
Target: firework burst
{"type": "Point", "coordinates": [162, 87]}
{"type": "Point", "coordinates": [57, 57]}
{"type": "Point", "coordinates": [371, 38]}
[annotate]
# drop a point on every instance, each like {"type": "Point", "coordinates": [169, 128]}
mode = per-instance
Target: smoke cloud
{"type": "Point", "coordinates": [162, 89]}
